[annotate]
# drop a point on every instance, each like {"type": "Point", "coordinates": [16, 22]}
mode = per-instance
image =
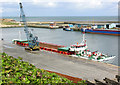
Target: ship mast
{"type": "Point", "coordinates": [84, 40]}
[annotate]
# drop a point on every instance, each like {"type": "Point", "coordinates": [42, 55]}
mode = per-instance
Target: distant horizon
{"type": "Point", "coordinates": [61, 16]}
{"type": "Point", "coordinates": [65, 18]}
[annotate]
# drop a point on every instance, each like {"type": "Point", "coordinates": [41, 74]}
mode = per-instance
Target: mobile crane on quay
{"type": "Point", "coordinates": [33, 44]}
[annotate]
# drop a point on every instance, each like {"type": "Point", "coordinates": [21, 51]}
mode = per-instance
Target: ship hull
{"type": "Point", "coordinates": [67, 29]}
{"type": "Point", "coordinates": [105, 32]}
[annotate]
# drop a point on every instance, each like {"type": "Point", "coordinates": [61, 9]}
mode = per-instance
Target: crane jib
{"type": "Point", "coordinates": [32, 40]}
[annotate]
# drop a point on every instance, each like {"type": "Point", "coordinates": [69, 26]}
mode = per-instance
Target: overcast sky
{"type": "Point", "coordinates": [60, 7]}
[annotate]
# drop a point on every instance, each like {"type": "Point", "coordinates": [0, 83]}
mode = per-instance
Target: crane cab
{"type": "Point", "coordinates": [33, 46]}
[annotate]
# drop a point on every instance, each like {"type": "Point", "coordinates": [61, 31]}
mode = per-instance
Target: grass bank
{"type": "Point", "coordinates": [15, 70]}
{"type": "Point", "coordinates": [9, 23]}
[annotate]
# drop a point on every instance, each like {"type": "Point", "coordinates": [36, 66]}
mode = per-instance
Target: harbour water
{"type": "Point", "coordinates": [104, 43]}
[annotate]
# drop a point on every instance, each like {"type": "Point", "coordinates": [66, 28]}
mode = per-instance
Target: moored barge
{"type": "Point", "coordinates": [44, 46]}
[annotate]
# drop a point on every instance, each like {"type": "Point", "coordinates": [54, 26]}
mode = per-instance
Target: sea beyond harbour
{"type": "Point", "coordinates": [67, 18]}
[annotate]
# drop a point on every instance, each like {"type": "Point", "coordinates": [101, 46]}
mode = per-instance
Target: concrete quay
{"type": "Point", "coordinates": [76, 67]}
{"type": "Point", "coordinates": [29, 25]}
{"type": "Point", "coordinates": [42, 26]}
{"type": "Point", "coordinates": [73, 22]}
{"type": "Point", "coordinates": [91, 22]}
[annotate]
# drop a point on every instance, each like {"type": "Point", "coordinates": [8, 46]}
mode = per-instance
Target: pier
{"type": "Point", "coordinates": [6, 23]}
{"type": "Point", "coordinates": [43, 26]}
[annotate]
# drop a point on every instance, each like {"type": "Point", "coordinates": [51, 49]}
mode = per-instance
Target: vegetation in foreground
{"type": "Point", "coordinates": [15, 70]}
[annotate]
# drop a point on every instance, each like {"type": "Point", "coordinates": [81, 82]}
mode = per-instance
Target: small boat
{"type": "Point", "coordinates": [67, 28]}
{"type": "Point", "coordinates": [81, 50]}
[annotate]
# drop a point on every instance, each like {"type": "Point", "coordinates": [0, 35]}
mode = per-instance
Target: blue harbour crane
{"type": "Point", "coordinates": [33, 44]}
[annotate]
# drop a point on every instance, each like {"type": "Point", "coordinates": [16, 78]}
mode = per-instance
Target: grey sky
{"type": "Point", "coordinates": [60, 7]}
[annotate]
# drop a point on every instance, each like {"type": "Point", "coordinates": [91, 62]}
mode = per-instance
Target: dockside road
{"type": "Point", "coordinates": [64, 64]}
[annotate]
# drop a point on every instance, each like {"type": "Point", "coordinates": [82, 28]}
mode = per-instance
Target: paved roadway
{"type": "Point", "coordinates": [64, 64]}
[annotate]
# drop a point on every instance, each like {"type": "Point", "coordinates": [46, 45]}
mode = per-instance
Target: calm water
{"type": "Point", "coordinates": [69, 18]}
{"type": "Point", "coordinates": [104, 43]}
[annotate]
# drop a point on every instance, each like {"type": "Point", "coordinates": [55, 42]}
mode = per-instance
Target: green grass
{"type": "Point", "coordinates": [10, 23]}
{"type": "Point", "coordinates": [15, 70]}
